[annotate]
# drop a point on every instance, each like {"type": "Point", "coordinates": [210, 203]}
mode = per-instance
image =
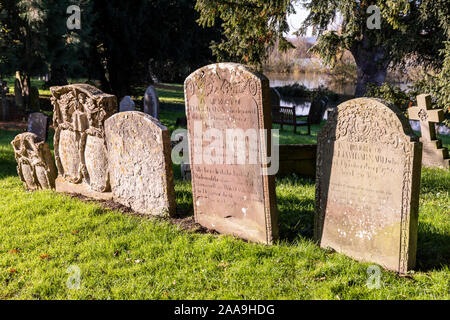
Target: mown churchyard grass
{"type": "Point", "coordinates": [46, 238]}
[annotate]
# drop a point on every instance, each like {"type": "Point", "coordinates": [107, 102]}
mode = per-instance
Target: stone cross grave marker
{"type": "Point", "coordinates": [127, 104]}
{"type": "Point", "coordinates": [151, 102]}
{"type": "Point", "coordinates": [434, 155]}
{"type": "Point", "coordinates": [35, 165]}
{"type": "Point", "coordinates": [367, 188]}
{"type": "Point", "coordinates": [231, 196]}
{"type": "Point", "coordinates": [140, 165]}
{"type": "Point", "coordinates": [38, 124]}
{"type": "Point", "coordinates": [80, 111]}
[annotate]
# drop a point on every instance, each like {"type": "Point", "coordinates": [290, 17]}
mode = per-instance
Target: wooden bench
{"type": "Point", "coordinates": [287, 116]}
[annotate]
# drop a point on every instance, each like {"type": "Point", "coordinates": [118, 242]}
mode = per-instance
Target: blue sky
{"type": "Point", "coordinates": [296, 20]}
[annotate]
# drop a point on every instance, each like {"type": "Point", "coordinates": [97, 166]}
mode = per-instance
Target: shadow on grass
{"type": "Point", "coordinates": [296, 223]}
{"type": "Point", "coordinates": [296, 214]}
{"type": "Point", "coordinates": [433, 249]}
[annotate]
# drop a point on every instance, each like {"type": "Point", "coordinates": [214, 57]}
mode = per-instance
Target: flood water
{"type": "Point", "coordinates": [314, 81]}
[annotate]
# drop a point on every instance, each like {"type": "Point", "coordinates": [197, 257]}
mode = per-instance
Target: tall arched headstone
{"type": "Point", "coordinates": [368, 180]}
{"type": "Point", "coordinates": [80, 111]}
{"type": "Point", "coordinates": [140, 165]}
{"type": "Point", "coordinates": [231, 196]}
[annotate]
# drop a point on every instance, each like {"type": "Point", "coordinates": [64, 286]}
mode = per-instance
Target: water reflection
{"type": "Point", "coordinates": [311, 81]}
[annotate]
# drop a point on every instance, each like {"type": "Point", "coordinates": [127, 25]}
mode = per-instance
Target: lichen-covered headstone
{"type": "Point", "coordinates": [38, 124]}
{"type": "Point", "coordinates": [367, 188]}
{"type": "Point", "coordinates": [232, 197]}
{"type": "Point", "coordinates": [151, 102]}
{"type": "Point", "coordinates": [80, 111]}
{"type": "Point", "coordinates": [35, 164]}
{"type": "Point", "coordinates": [127, 104]}
{"type": "Point", "coordinates": [140, 165]}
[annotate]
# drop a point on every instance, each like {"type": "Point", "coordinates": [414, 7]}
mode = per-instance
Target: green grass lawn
{"type": "Point", "coordinates": [44, 235]}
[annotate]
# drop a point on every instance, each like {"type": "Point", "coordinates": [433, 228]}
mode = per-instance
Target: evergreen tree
{"type": "Point", "coordinates": [251, 27]}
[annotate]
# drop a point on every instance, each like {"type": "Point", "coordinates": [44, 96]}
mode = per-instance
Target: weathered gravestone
{"type": "Point", "coordinates": [34, 99]}
{"type": "Point", "coordinates": [35, 164]}
{"type": "Point", "coordinates": [230, 195]}
{"type": "Point", "coordinates": [38, 124]}
{"type": "Point", "coordinates": [434, 155]}
{"type": "Point", "coordinates": [151, 102]}
{"type": "Point", "coordinates": [80, 148]}
{"type": "Point", "coordinates": [318, 109]}
{"type": "Point", "coordinates": [127, 104]}
{"type": "Point", "coordinates": [367, 189]}
{"type": "Point", "coordinates": [140, 165]}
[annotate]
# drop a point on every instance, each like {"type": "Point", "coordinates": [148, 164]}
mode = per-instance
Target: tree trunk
{"type": "Point", "coordinates": [372, 63]}
{"type": "Point", "coordinates": [26, 89]}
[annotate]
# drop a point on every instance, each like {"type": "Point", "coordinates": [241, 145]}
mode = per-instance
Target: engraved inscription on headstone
{"type": "Point", "coordinates": [35, 164]}
{"type": "Point", "coordinates": [140, 165]}
{"type": "Point", "coordinates": [367, 189]}
{"type": "Point", "coordinates": [230, 197]}
{"type": "Point", "coordinates": [38, 124]}
{"type": "Point", "coordinates": [80, 148]}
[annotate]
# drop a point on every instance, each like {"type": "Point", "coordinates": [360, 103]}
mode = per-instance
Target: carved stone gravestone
{"type": "Point", "coordinates": [367, 189]}
{"type": "Point", "coordinates": [127, 104]}
{"type": "Point", "coordinates": [38, 124]}
{"type": "Point", "coordinates": [232, 191]}
{"type": "Point", "coordinates": [80, 149]}
{"type": "Point", "coordinates": [151, 102]}
{"type": "Point", "coordinates": [434, 155]}
{"type": "Point", "coordinates": [140, 165]}
{"type": "Point", "coordinates": [35, 164]}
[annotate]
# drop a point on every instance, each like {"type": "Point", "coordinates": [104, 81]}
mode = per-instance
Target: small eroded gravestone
{"type": "Point", "coordinates": [367, 188]}
{"type": "Point", "coordinates": [151, 102]}
{"type": "Point", "coordinates": [4, 105]}
{"type": "Point", "coordinates": [80, 111]}
{"type": "Point", "coordinates": [127, 104]}
{"type": "Point", "coordinates": [434, 154]}
{"type": "Point", "coordinates": [318, 109]}
{"type": "Point", "coordinates": [232, 193]}
{"type": "Point", "coordinates": [38, 124]}
{"type": "Point", "coordinates": [35, 164]}
{"type": "Point", "coordinates": [34, 99]}
{"type": "Point", "coordinates": [140, 165]}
